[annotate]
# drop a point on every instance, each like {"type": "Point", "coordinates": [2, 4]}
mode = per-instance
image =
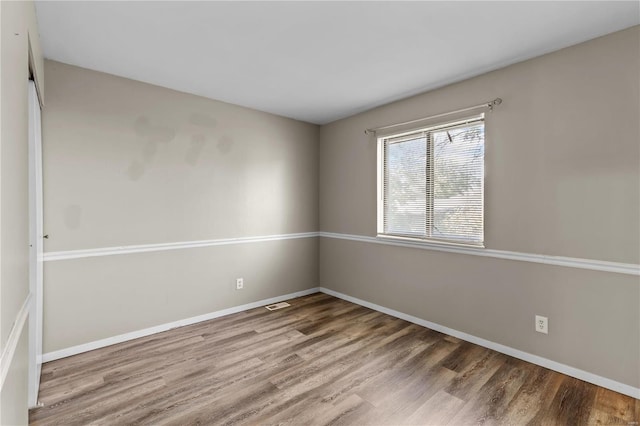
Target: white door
{"type": "Point", "coordinates": [36, 245]}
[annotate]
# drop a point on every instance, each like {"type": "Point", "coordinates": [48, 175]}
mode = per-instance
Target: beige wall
{"type": "Point", "coordinates": [14, 391]}
{"type": "Point", "coordinates": [561, 153]}
{"type": "Point", "coordinates": [131, 163]}
{"type": "Point", "coordinates": [19, 46]}
{"type": "Point", "coordinates": [118, 294]}
{"type": "Point", "coordinates": [127, 163]}
{"type": "Point", "coordinates": [562, 178]}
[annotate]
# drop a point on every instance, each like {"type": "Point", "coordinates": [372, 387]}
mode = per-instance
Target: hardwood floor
{"type": "Point", "coordinates": [321, 361]}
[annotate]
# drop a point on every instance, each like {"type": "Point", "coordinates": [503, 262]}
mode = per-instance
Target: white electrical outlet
{"type": "Point", "coordinates": [542, 324]}
{"type": "Point", "coordinates": [239, 283]}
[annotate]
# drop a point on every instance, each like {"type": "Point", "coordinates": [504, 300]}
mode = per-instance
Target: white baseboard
{"type": "Point", "coordinates": [525, 356]}
{"type": "Point", "coordinates": [86, 347]}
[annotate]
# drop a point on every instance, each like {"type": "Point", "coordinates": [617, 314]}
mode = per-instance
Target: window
{"type": "Point", "coordinates": [431, 183]}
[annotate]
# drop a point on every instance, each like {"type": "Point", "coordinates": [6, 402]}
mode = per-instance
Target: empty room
{"type": "Point", "coordinates": [313, 213]}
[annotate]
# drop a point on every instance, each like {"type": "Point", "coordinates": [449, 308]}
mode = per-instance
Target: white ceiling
{"type": "Point", "coordinates": [315, 61]}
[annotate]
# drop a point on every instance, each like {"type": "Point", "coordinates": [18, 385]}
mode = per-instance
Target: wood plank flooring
{"type": "Point", "coordinates": [321, 361]}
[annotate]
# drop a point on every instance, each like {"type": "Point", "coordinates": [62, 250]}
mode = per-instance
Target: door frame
{"type": "Point", "coordinates": [36, 244]}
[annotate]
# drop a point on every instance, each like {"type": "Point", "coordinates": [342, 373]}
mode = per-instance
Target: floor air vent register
{"type": "Point", "coordinates": [277, 306]}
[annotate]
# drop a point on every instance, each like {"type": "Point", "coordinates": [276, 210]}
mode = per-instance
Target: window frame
{"type": "Point", "coordinates": [428, 130]}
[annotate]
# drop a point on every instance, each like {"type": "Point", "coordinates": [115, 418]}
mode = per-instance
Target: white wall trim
{"type": "Point", "coordinates": [86, 347]}
{"type": "Point", "coordinates": [571, 262]}
{"type": "Point", "coordinates": [110, 251]}
{"type": "Point", "coordinates": [525, 356]}
{"type": "Point", "coordinates": [14, 337]}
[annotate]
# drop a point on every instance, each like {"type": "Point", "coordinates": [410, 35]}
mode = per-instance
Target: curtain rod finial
{"type": "Point", "coordinates": [495, 102]}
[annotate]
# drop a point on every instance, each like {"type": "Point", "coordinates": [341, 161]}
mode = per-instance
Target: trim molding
{"type": "Point", "coordinates": [143, 248]}
{"type": "Point", "coordinates": [570, 262]}
{"type": "Point", "coordinates": [525, 356]}
{"type": "Point", "coordinates": [97, 344]}
{"type": "Point", "coordinates": [14, 337]}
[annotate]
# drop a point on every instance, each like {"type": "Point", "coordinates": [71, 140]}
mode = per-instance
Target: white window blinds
{"type": "Point", "coordinates": [433, 183]}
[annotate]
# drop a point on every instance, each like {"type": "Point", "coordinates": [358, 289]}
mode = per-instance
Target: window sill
{"type": "Point", "coordinates": [429, 243]}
